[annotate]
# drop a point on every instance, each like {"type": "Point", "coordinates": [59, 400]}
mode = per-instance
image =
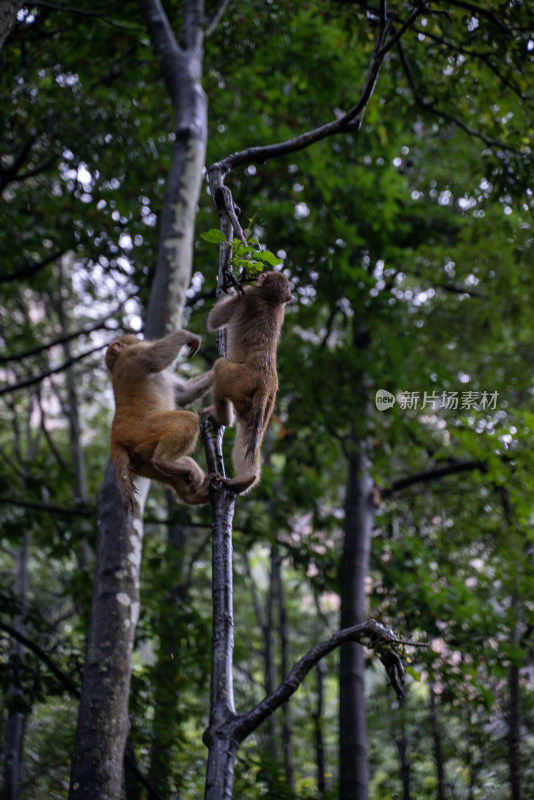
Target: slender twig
{"type": "Point", "coordinates": [481, 12]}
{"type": "Point", "coordinates": [23, 384]}
{"type": "Point", "coordinates": [58, 673]}
{"type": "Point", "coordinates": [85, 12]}
{"type": "Point", "coordinates": [48, 509]}
{"type": "Point", "coordinates": [216, 17]}
{"type": "Point", "coordinates": [437, 473]}
{"type": "Point", "coordinates": [32, 268]}
{"type": "Point", "coordinates": [493, 144]}
{"type": "Point", "coordinates": [98, 326]}
{"type": "Point", "coordinates": [484, 58]}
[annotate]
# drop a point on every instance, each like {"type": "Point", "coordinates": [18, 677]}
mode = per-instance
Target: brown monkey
{"type": "Point", "coordinates": [149, 437]}
{"type": "Point", "coordinates": [246, 380]}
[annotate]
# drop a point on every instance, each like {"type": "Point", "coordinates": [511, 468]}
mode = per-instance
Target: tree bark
{"type": "Point", "coordinates": [96, 769]}
{"type": "Point", "coordinates": [219, 737]}
{"type": "Point", "coordinates": [359, 518]}
{"type": "Point", "coordinates": [318, 731]}
{"type": "Point", "coordinates": [16, 720]}
{"type": "Point", "coordinates": [402, 749]}
{"type": "Point", "coordinates": [182, 72]}
{"type": "Point", "coordinates": [514, 717]}
{"type": "Point", "coordinates": [8, 15]}
{"type": "Point", "coordinates": [287, 730]}
{"type": "Point", "coordinates": [164, 728]}
{"type": "Point", "coordinates": [438, 750]}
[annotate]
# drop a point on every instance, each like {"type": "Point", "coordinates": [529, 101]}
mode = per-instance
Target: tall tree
{"type": "Point", "coordinates": [103, 711]}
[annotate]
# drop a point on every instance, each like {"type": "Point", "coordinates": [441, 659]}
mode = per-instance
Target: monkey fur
{"type": "Point", "coordinates": [149, 437]}
{"type": "Point", "coordinates": [246, 380]}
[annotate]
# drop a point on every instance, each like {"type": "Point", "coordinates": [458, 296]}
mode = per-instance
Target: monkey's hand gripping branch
{"type": "Point", "coordinates": [212, 436]}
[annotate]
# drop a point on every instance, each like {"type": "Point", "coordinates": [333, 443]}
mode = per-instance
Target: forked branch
{"type": "Point", "coordinates": [349, 122]}
{"type": "Point", "coordinates": [370, 634]}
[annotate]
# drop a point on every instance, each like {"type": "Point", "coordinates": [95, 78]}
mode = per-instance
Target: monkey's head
{"type": "Point", "coordinates": [116, 347]}
{"type": "Point", "coordinates": [276, 286]}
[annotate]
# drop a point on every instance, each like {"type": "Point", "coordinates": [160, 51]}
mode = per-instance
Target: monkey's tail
{"type": "Point", "coordinates": [256, 424]}
{"type": "Point", "coordinates": [125, 484]}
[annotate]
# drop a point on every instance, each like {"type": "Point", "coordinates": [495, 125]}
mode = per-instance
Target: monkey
{"type": "Point", "coordinates": [149, 437]}
{"type": "Point", "coordinates": [246, 381]}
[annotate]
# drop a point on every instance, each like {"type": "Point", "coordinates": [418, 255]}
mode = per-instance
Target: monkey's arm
{"type": "Point", "coordinates": [187, 392]}
{"type": "Point", "coordinates": [159, 355]}
{"type": "Point", "coordinates": [222, 312]}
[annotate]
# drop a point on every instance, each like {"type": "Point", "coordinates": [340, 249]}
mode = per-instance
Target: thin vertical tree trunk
{"type": "Point", "coordinates": [71, 407]}
{"type": "Point", "coordinates": [219, 736]}
{"type": "Point", "coordinates": [16, 720]}
{"type": "Point", "coordinates": [514, 716]}
{"type": "Point", "coordinates": [165, 725]}
{"type": "Point", "coordinates": [318, 731]}
{"type": "Point", "coordinates": [270, 674]}
{"type": "Point", "coordinates": [402, 748]}
{"type": "Point", "coordinates": [438, 750]}
{"type": "Point", "coordinates": [8, 15]}
{"type": "Point", "coordinates": [222, 745]}
{"type": "Point", "coordinates": [359, 518]}
{"type": "Point", "coordinates": [266, 623]}
{"type": "Point", "coordinates": [287, 732]}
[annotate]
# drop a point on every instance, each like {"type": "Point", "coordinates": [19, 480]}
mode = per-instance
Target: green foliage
{"type": "Point", "coordinates": [250, 258]}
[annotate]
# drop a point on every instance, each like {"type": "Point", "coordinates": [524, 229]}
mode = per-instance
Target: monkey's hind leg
{"type": "Point", "coordinates": [247, 467]}
{"type": "Point", "coordinates": [185, 478]}
{"type": "Point", "coordinates": [229, 385]}
{"type": "Point", "coordinates": [175, 434]}
{"type": "Point", "coordinates": [166, 437]}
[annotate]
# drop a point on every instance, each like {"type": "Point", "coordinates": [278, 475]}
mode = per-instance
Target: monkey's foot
{"type": "Point", "coordinates": [201, 495]}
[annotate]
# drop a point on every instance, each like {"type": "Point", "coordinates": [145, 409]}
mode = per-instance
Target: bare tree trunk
{"type": "Point", "coordinates": [438, 751]}
{"type": "Point", "coordinates": [359, 518]}
{"type": "Point", "coordinates": [16, 720]}
{"type": "Point", "coordinates": [8, 15]}
{"type": "Point", "coordinates": [266, 624]}
{"type": "Point", "coordinates": [182, 70]}
{"type": "Point", "coordinates": [96, 769]}
{"type": "Point", "coordinates": [71, 406]}
{"type": "Point", "coordinates": [318, 731]}
{"type": "Point", "coordinates": [169, 660]}
{"type": "Point", "coordinates": [132, 787]}
{"type": "Point", "coordinates": [514, 716]}
{"type": "Point", "coordinates": [402, 748]}
{"type": "Point", "coordinates": [220, 739]}
{"type": "Point", "coordinates": [71, 410]}
{"type": "Point", "coordinates": [270, 673]}
{"type": "Point", "coordinates": [287, 732]}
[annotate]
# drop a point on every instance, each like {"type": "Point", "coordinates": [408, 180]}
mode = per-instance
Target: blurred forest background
{"type": "Point", "coordinates": [409, 246]}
